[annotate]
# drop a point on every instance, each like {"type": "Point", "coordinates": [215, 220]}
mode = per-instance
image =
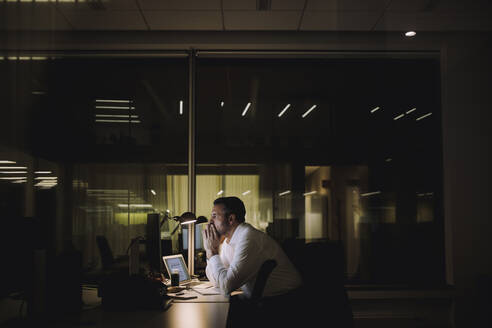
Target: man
{"type": "Point", "coordinates": [242, 253]}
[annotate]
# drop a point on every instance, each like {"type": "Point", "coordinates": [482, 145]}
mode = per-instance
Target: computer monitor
{"type": "Point", "coordinates": [176, 262]}
{"type": "Point", "coordinates": [153, 242]}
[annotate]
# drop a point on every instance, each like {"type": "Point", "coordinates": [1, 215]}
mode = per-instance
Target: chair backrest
{"type": "Point", "coordinates": [107, 258]}
{"type": "Point", "coordinates": [323, 261]}
{"type": "Point", "coordinates": [262, 277]}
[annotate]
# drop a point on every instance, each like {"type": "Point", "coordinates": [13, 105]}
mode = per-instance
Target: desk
{"type": "Point", "coordinates": [201, 312]}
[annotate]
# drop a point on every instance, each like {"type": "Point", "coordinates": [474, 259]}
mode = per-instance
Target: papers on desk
{"type": "Point", "coordinates": [206, 289]}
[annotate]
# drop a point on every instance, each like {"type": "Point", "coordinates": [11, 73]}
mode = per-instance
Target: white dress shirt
{"type": "Point", "coordinates": [239, 261]}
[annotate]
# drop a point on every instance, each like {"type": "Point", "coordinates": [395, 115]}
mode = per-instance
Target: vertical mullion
{"type": "Point", "coordinates": [191, 159]}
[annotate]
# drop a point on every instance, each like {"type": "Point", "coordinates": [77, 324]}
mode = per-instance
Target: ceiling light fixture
{"type": "Point", "coordinates": [115, 107]}
{"type": "Point", "coordinates": [220, 192]}
{"type": "Point", "coordinates": [13, 172]}
{"type": "Point", "coordinates": [246, 109]}
{"type": "Point", "coordinates": [374, 109]}
{"type": "Point", "coordinates": [423, 116]}
{"type": "Point", "coordinates": [410, 34]}
{"type": "Point", "coordinates": [398, 117]}
{"type": "Point", "coordinates": [284, 193]}
{"type": "Point", "coordinates": [246, 192]}
{"type": "Point", "coordinates": [309, 193]}
{"type": "Point", "coordinates": [153, 192]}
{"type": "Point", "coordinates": [6, 162]}
{"type": "Point", "coordinates": [116, 121]}
{"type": "Point", "coordinates": [370, 193]}
{"type": "Point", "coordinates": [283, 110]}
{"type": "Point", "coordinates": [411, 110]}
{"type": "Point", "coordinates": [180, 107]}
{"type": "Point", "coordinates": [117, 116]}
{"type": "Point", "coordinates": [13, 168]}
{"type": "Point", "coordinates": [309, 111]}
{"type": "Point", "coordinates": [136, 205]}
{"type": "Point", "coordinates": [113, 101]}
{"type": "Point", "coordinates": [221, 104]}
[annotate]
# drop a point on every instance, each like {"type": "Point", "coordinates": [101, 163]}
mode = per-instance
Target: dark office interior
{"type": "Point", "coordinates": [361, 148]}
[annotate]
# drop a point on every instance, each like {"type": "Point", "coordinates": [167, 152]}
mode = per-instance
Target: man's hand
{"type": "Point", "coordinates": [211, 240]}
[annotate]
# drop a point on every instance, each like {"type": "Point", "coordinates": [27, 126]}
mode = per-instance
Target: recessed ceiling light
{"type": "Point", "coordinates": [283, 110]}
{"type": "Point", "coordinates": [411, 110]}
{"type": "Point", "coordinates": [180, 107]}
{"type": "Point", "coordinates": [308, 111]}
{"type": "Point", "coordinates": [246, 109]}
{"type": "Point", "coordinates": [398, 117]}
{"type": "Point", "coordinates": [423, 116]}
{"type": "Point", "coordinates": [374, 109]}
{"type": "Point", "coordinates": [221, 104]}
{"type": "Point", "coordinates": [410, 33]}
{"type": "Point", "coordinates": [153, 192]}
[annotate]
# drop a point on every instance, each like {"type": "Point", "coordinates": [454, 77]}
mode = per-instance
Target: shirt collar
{"type": "Point", "coordinates": [236, 233]}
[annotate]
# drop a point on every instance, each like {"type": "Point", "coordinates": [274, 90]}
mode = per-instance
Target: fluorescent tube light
{"type": "Point", "coordinates": [116, 121]}
{"type": "Point", "coordinates": [13, 168]}
{"type": "Point", "coordinates": [246, 109]}
{"type": "Point", "coordinates": [284, 193]}
{"type": "Point", "coordinates": [39, 58]}
{"type": "Point", "coordinates": [423, 116]}
{"type": "Point", "coordinates": [220, 192]}
{"type": "Point", "coordinates": [45, 178]}
{"type": "Point", "coordinates": [410, 33]}
{"type": "Point", "coordinates": [188, 222]}
{"type": "Point", "coordinates": [13, 172]}
{"type": "Point", "coordinates": [411, 110]}
{"type": "Point", "coordinates": [398, 117]}
{"type": "Point", "coordinates": [180, 107]}
{"type": "Point", "coordinates": [6, 162]}
{"type": "Point", "coordinates": [115, 107]}
{"type": "Point", "coordinates": [113, 101]}
{"type": "Point", "coordinates": [12, 178]}
{"type": "Point", "coordinates": [374, 109]}
{"type": "Point", "coordinates": [246, 192]}
{"type": "Point", "coordinates": [389, 159]}
{"type": "Point", "coordinates": [136, 205]}
{"type": "Point", "coordinates": [283, 111]}
{"type": "Point", "coordinates": [19, 181]}
{"type": "Point", "coordinates": [153, 192]}
{"type": "Point", "coordinates": [116, 116]}
{"type": "Point", "coordinates": [221, 104]}
{"type": "Point", "coordinates": [308, 111]}
{"type": "Point", "coordinates": [309, 193]}
{"type": "Point", "coordinates": [370, 193]}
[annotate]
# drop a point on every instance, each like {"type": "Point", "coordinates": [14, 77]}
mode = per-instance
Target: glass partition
{"type": "Point", "coordinates": [107, 138]}
{"type": "Point", "coordinates": [340, 150]}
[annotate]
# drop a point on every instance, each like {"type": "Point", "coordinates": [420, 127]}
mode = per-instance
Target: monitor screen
{"type": "Point", "coordinates": [176, 262]}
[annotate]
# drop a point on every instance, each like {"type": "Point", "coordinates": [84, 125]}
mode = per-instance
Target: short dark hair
{"type": "Point", "coordinates": [232, 205]}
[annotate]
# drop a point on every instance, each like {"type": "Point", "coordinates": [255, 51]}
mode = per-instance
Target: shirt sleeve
{"type": "Point", "coordinates": [243, 267]}
{"type": "Point", "coordinates": [209, 275]}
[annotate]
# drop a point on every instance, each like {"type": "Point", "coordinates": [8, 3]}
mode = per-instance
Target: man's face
{"type": "Point", "coordinates": [219, 219]}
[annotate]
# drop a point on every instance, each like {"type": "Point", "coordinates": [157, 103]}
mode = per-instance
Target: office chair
{"type": "Point", "coordinates": [321, 265]}
{"type": "Point", "coordinates": [247, 312]}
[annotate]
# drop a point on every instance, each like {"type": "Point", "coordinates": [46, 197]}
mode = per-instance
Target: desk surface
{"type": "Point", "coordinates": [202, 312]}
{"type": "Point", "coordinates": [199, 315]}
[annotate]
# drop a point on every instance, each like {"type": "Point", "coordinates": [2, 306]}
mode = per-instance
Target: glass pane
{"type": "Point", "coordinates": [102, 142]}
{"type": "Point", "coordinates": [346, 152]}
